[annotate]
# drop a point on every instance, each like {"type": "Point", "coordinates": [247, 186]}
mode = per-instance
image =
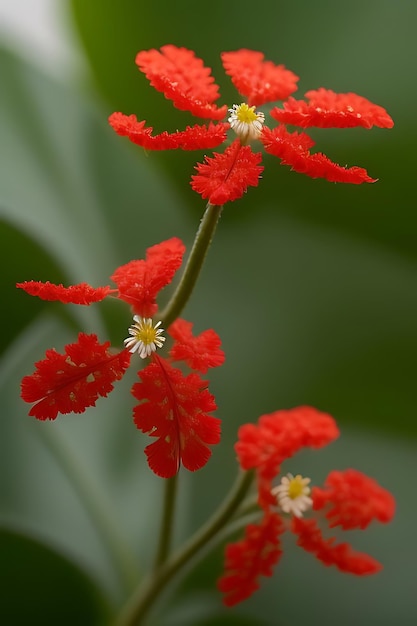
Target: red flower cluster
{"type": "Point", "coordinates": [183, 78]}
{"type": "Point", "coordinates": [173, 407]}
{"type": "Point", "coordinates": [348, 499]}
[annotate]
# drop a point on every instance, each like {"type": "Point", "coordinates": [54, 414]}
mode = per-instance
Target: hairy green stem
{"type": "Point", "coordinates": [167, 525]}
{"type": "Point", "coordinates": [142, 600]}
{"type": "Point", "coordinates": [194, 264]}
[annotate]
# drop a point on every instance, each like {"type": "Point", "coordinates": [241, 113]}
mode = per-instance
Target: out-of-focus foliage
{"type": "Point", "coordinates": [45, 577]}
{"type": "Point", "coordinates": [311, 286]}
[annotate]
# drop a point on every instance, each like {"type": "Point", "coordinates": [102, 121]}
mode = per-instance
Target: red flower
{"type": "Point", "coordinates": [70, 382]}
{"type": "Point", "coordinates": [199, 352]}
{"type": "Point", "coordinates": [183, 78]}
{"type": "Point", "coordinates": [173, 407]}
{"type": "Point", "coordinates": [348, 499]}
{"type": "Point", "coordinates": [253, 556]}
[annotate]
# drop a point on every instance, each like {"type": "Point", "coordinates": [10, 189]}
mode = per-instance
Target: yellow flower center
{"type": "Point", "coordinates": [293, 495]}
{"type": "Point", "coordinates": [144, 338]}
{"type": "Point", "coordinates": [297, 487]}
{"type": "Point", "coordinates": [246, 114]}
{"type": "Point", "coordinates": [146, 332]}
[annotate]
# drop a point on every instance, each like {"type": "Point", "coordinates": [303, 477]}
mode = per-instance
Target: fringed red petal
{"type": "Point", "coordinates": [341, 555]}
{"type": "Point", "coordinates": [260, 81]}
{"type": "Point", "coordinates": [354, 500]}
{"type": "Point", "coordinates": [202, 137]}
{"type": "Point", "coordinates": [138, 133]}
{"type": "Point", "coordinates": [279, 435]}
{"type": "Point", "coordinates": [174, 408]}
{"type": "Point", "coordinates": [75, 294]}
{"type": "Point", "coordinates": [139, 282]}
{"type": "Point", "coordinates": [192, 138]}
{"type": "Point", "coordinates": [291, 149]}
{"type": "Point", "coordinates": [199, 352]}
{"type": "Point", "coordinates": [250, 558]}
{"type": "Point", "coordinates": [73, 381]}
{"type": "Point", "coordinates": [225, 177]}
{"type": "Point", "coordinates": [183, 78]}
{"type": "Point", "coordinates": [327, 109]}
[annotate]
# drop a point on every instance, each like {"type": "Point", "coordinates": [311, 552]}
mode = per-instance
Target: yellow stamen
{"type": "Point", "coordinates": [246, 114]}
{"type": "Point", "coordinates": [297, 487]}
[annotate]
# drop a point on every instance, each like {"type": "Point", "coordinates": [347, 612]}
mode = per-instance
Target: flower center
{"type": "Point", "coordinates": [246, 122]}
{"type": "Point", "coordinates": [144, 338]}
{"type": "Point", "coordinates": [246, 114]}
{"type": "Point", "coordinates": [296, 487]}
{"type": "Point", "coordinates": [293, 494]}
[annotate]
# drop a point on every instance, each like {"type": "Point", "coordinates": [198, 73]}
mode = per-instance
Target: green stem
{"type": "Point", "coordinates": [194, 264]}
{"type": "Point", "coordinates": [95, 505]}
{"type": "Point", "coordinates": [144, 597]}
{"type": "Point", "coordinates": [165, 536]}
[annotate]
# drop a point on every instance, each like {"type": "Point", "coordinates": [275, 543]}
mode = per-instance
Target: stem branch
{"type": "Point", "coordinates": [165, 536]}
{"type": "Point", "coordinates": [144, 597]}
{"type": "Point", "coordinates": [194, 264]}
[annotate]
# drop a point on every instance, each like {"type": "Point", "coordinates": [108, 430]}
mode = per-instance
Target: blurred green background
{"type": "Point", "coordinates": [320, 277]}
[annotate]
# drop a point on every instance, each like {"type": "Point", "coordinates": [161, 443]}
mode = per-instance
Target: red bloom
{"type": "Point", "coordinates": [329, 552]}
{"type": "Point", "coordinates": [354, 500]}
{"type": "Point", "coordinates": [70, 382]}
{"type": "Point", "coordinates": [200, 352]}
{"type": "Point", "coordinates": [173, 407]}
{"type": "Point", "coordinates": [349, 499]}
{"type": "Point", "coordinates": [183, 78]}
{"type": "Point", "coordinates": [220, 178]}
{"type": "Point", "coordinates": [327, 109]}
{"type": "Point", "coordinates": [138, 282]}
{"type": "Point", "coordinates": [76, 294]}
{"type": "Point", "coordinates": [253, 556]}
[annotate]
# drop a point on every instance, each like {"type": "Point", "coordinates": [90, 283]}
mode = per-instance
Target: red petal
{"type": "Point", "coordinates": [192, 138]}
{"type": "Point", "coordinates": [225, 177]}
{"type": "Point", "coordinates": [174, 408]}
{"type": "Point", "coordinates": [331, 553]}
{"type": "Point", "coordinates": [71, 382]}
{"type": "Point", "coordinates": [355, 500]}
{"type": "Point", "coordinates": [201, 137]}
{"type": "Point", "coordinates": [138, 133]}
{"type": "Point", "coordinates": [182, 78]}
{"type": "Point", "coordinates": [278, 436]}
{"type": "Point", "coordinates": [260, 81]}
{"type": "Point", "coordinates": [75, 294]}
{"type": "Point", "coordinates": [253, 556]}
{"type": "Point", "coordinates": [327, 109]}
{"type": "Point", "coordinates": [200, 352]}
{"type": "Point", "coordinates": [291, 149]}
{"type": "Point", "coordinates": [139, 282]}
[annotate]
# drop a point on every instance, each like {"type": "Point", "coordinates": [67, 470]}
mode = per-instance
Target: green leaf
{"type": "Point", "coordinates": [42, 586]}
